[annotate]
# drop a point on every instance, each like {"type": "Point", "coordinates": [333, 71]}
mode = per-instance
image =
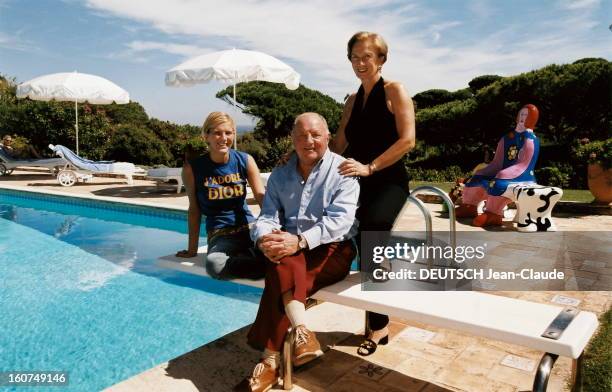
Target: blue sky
{"type": "Point", "coordinates": [433, 44]}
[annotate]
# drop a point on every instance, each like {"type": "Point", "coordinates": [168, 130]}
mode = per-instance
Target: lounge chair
{"type": "Point", "coordinates": [166, 174]}
{"type": "Point", "coordinates": [8, 163]}
{"type": "Point", "coordinates": [81, 169]}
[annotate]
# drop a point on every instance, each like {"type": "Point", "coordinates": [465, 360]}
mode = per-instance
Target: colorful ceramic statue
{"type": "Point", "coordinates": [514, 162]}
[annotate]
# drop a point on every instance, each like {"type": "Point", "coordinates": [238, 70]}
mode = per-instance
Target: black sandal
{"type": "Point", "coordinates": [368, 347]}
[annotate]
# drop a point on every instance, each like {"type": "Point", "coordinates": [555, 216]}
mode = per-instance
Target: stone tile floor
{"type": "Point", "coordinates": [418, 358]}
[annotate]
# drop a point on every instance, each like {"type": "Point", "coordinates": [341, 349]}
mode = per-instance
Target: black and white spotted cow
{"type": "Point", "coordinates": [534, 204]}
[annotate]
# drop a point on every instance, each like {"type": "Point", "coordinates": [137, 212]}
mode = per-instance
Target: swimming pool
{"type": "Point", "coordinates": [80, 292]}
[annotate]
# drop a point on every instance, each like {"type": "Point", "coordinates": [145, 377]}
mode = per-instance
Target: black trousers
{"type": "Point", "coordinates": [379, 204]}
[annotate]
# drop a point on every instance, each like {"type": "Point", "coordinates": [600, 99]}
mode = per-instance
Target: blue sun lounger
{"type": "Point", "coordinates": [78, 168]}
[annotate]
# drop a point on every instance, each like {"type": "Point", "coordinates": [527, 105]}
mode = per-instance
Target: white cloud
{"type": "Point", "coordinates": [5, 38]}
{"type": "Point", "coordinates": [125, 55]}
{"type": "Point", "coordinates": [139, 51]}
{"type": "Point", "coordinates": [436, 29]}
{"type": "Point", "coordinates": [580, 4]}
{"type": "Point", "coordinates": [482, 9]}
{"type": "Point", "coordinates": [311, 36]}
{"type": "Point", "coordinates": [183, 50]}
{"type": "Point", "coordinates": [15, 42]}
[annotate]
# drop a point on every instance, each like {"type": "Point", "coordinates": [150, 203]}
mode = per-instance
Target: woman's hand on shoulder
{"type": "Point", "coordinates": [353, 168]}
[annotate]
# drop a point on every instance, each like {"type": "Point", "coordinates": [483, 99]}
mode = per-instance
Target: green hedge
{"type": "Point", "coordinates": [450, 173]}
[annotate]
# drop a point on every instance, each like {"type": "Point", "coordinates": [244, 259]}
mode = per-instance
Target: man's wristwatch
{"type": "Point", "coordinates": [302, 243]}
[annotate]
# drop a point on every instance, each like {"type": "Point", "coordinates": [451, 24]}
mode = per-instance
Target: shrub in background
{"type": "Point", "coordinates": [434, 97]}
{"type": "Point", "coordinates": [138, 144]}
{"type": "Point", "coordinates": [598, 151]}
{"type": "Point", "coordinates": [248, 143]}
{"type": "Point", "coordinates": [555, 174]}
{"type": "Point", "coordinates": [482, 81]}
{"type": "Point", "coordinates": [277, 151]}
{"type": "Point", "coordinates": [449, 174]}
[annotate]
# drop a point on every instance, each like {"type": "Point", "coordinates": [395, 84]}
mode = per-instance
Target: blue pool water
{"type": "Point", "coordinates": [79, 291]}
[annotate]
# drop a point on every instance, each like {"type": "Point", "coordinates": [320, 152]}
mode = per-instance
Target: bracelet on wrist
{"type": "Point", "coordinates": [372, 168]}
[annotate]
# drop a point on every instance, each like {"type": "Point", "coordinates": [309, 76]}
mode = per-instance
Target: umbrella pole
{"type": "Point", "coordinates": [235, 115]}
{"type": "Point", "coordinates": [76, 125]}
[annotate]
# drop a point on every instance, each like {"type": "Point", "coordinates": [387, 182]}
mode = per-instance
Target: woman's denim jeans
{"type": "Point", "coordinates": [233, 256]}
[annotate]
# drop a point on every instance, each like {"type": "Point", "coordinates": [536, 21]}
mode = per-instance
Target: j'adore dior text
{"type": "Point", "coordinates": [228, 186]}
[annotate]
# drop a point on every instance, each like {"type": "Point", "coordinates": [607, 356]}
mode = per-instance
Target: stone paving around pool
{"type": "Point", "coordinates": [418, 357]}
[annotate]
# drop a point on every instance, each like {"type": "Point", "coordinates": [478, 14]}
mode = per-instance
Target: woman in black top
{"type": "Point", "coordinates": [376, 131]}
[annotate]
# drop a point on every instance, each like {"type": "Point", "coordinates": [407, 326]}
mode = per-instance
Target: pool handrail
{"type": "Point", "coordinates": [449, 204]}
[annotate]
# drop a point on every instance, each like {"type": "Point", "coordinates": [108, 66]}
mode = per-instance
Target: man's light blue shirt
{"type": "Point", "coordinates": [321, 209]}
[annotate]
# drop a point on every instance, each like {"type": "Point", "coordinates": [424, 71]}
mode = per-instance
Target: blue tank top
{"type": "Point", "coordinates": [221, 190]}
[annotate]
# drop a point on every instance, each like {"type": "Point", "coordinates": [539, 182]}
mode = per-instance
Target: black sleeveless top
{"type": "Point", "coordinates": [370, 131]}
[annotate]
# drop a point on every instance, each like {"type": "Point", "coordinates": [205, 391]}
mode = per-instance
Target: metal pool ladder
{"type": "Point", "coordinates": [428, 223]}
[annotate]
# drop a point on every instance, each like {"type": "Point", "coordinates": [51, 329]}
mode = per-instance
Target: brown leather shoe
{"type": "Point", "coordinates": [466, 211]}
{"type": "Point", "coordinates": [306, 346]}
{"type": "Point", "coordinates": [262, 379]}
{"type": "Point", "coordinates": [487, 219]}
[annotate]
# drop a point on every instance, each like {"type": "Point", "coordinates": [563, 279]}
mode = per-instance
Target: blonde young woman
{"type": "Point", "coordinates": [216, 186]}
{"type": "Point", "coordinates": [376, 131]}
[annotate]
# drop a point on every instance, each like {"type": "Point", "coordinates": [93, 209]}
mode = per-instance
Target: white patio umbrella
{"type": "Point", "coordinates": [73, 86]}
{"type": "Point", "coordinates": [232, 66]}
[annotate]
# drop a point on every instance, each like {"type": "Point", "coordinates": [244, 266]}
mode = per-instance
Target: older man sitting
{"type": "Point", "coordinates": [305, 230]}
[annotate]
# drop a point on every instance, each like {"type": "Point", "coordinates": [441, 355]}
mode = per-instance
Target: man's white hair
{"type": "Point", "coordinates": [317, 115]}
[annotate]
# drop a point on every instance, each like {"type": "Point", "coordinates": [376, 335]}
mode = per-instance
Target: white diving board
{"type": "Point", "coordinates": [472, 312]}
